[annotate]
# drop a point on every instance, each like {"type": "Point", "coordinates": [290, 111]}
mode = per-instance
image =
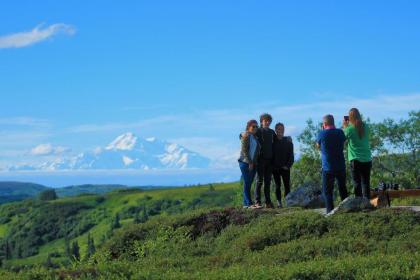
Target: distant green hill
{"type": "Point", "coordinates": [33, 229]}
{"type": "Point", "coordinates": [88, 189]}
{"type": "Point", "coordinates": [16, 191]}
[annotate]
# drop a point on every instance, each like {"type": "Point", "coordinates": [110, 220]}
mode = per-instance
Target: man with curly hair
{"type": "Point", "coordinates": [266, 138]}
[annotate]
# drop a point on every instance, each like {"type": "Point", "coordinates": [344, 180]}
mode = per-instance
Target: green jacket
{"type": "Point", "coordinates": [358, 148]}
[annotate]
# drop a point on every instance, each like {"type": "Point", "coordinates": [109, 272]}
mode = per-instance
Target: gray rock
{"type": "Point", "coordinates": [307, 196]}
{"type": "Point", "coordinates": [353, 204]}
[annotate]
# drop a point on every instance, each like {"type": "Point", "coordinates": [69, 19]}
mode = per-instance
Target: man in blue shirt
{"type": "Point", "coordinates": [331, 142]}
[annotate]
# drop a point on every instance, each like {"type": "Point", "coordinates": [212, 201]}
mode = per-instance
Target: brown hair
{"type": "Point", "coordinates": [266, 116]}
{"type": "Point", "coordinates": [250, 123]}
{"type": "Point", "coordinates": [356, 119]}
{"type": "Point", "coordinates": [279, 124]}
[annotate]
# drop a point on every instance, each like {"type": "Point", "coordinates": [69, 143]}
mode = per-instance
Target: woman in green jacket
{"type": "Point", "coordinates": [359, 153]}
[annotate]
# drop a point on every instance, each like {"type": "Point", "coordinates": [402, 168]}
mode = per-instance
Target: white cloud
{"type": "Point", "coordinates": [294, 116]}
{"type": "Point", "coordinates": [113, 126]}
{"type": "Point", "coordinates": [36, 35]}
{"type": "Point", "coordinates": [25, 121]}
{"type": "Point", "coordinates": [212, 133]}
{"type": "Point", "coordinates": [48, 149]}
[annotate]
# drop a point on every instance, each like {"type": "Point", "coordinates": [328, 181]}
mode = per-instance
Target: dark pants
{"type": "Point", "coordinates": [248, 176]}
{"type": "Point", "coordinates": [328, 178]}
{"type": "Point", "coordinates": [360, 171]}
{"type": "Point", "coordinates": [264, 172]}
{"type": "Point", "coordinates": [279, 175]}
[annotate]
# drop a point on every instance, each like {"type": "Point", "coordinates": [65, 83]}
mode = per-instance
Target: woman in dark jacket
{"type": "Point", "coordinates": [250, 149]}
{"type": "Point", "coordinates": [282, 161]}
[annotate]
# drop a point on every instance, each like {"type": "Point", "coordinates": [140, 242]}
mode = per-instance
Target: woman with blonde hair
{"type": "Point", "coordinates": [359, 153]}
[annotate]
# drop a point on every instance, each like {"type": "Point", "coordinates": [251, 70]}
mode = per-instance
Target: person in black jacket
{"type": "Point", "coordinates": [282, 161]}
{"type": "Point", "coordinates": [266, 137]}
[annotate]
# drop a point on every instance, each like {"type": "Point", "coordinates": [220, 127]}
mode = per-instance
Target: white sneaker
{"type": "Point", "coordinates": [256, 206]}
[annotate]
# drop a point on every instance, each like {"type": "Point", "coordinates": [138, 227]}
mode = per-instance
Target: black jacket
{"type": "Point", "coordinates": [266, 138]}
{"type": "Point", "coordinates": [283, 152]}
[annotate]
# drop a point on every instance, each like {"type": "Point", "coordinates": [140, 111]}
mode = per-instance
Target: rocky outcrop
{"type": "Point", "coordinates": [353, 204]}
{"type": "Point", "coordinates": [307, 196]}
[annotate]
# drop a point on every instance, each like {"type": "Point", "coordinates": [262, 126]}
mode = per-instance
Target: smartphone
{"type": "Point", "coordinates": [346, 118]}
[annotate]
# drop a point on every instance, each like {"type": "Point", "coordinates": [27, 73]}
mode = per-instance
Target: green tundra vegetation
{"type": "Point", "coordinates": [199, 232]}
{"type": "Point", "coordinates": [231, 243]}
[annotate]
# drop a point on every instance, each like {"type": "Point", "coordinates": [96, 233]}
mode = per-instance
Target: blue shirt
{"type": "Point", "coordinates": [252, 146]}
{"type": "Point", "coordinates": [332, 145]}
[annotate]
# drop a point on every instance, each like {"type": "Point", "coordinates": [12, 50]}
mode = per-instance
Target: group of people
{"type": "Point", "coordinates": [268, 154]}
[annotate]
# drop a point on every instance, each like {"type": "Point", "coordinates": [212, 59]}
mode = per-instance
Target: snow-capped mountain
{"type": "Point", "coordinates": [128, 151]}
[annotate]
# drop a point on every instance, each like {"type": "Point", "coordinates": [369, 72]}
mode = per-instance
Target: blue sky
{"type": "Point", "coordinates": [77, 74]}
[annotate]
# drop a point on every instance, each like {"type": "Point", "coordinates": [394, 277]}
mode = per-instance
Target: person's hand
{"type": "Point", "coordinates": [285, 168]}
{"type": "Point", "coordinates": [251, 166]}
{"type": "Point", "coordinates": [345, 123]}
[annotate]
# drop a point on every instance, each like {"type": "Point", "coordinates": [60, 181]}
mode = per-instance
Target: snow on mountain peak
{"type": "Point", "coordinates": [124, 142]}
{"type": "Point", "coordinates": [127, 161]}
{"type": "Point", "coordinates": [127, 151]}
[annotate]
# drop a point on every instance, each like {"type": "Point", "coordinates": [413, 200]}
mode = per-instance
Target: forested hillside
{"type": "Point", "coordinates": [35, 229]}
{"type": "Point", "coordinates": [16, 191]}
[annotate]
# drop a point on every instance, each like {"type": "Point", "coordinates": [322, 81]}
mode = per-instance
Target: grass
{"type": "Point", "coordinates": [228, 243]}
{"type": "Point", "coordinates": [101, 210]}
{"type": "Point", "coordinates": [196, 234]}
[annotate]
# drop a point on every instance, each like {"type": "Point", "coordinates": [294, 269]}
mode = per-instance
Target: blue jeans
{"type": "Point", "coordinates": [328, 178]}
{"type": "Point", "coordinates": [248, 176]}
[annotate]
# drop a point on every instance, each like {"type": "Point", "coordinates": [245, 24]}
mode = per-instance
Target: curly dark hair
{"type": "Point", "coordinates": [266, 116]}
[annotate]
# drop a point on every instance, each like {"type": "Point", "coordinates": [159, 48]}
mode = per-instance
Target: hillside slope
{"type": "Point", "coordinates": [16, 191]}
{"type": "Point", "coordinates": [194, 233]}
{"type": "Point", "coordinates": [33, 229]}
{"type": "Point", "coordinates": [88, 189]}
{"type": "Point", "coordinates": [235, 244]}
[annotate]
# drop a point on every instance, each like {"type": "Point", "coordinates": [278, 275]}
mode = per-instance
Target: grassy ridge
{"type": "Point", "coordinates": [195, 233]}
{"type": "Point", "coordinates": [230, 243]}
{"type": "Point", "coordinates": [75, 217]}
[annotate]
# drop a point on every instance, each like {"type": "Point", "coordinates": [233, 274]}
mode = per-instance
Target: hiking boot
{"type": "Point", "coordinates": [269, 205]}
{"type": "Point", "coordinates": [279, 205]}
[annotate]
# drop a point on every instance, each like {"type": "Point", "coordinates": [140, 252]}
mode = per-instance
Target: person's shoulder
{"type": "Point", "coordinates": [321, 135]}
{"type": "Point", "coordinates": [322, 132]}
{"type": "Point", "coordinates": [347, 129]}
{"type": "Point", "coordinates": [288, 139]}
{"type": "Point", "coordinates": [244, 135]}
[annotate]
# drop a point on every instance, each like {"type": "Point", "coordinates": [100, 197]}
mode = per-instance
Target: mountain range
{"type": "Point", "coordinates": [127, 151]}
